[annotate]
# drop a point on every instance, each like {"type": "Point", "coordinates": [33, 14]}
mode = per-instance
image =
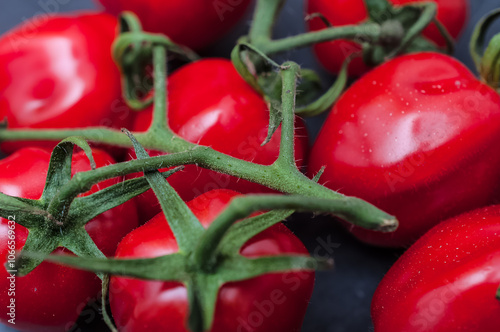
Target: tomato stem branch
{"type": "Point", "coordinates": [160, 107]}
{"type": "Point", "coordinates": [289, 72]}
{"type": "Point", "coordinates": [264, 17]}
{"type": "Point", "coordinates": [369, 32]}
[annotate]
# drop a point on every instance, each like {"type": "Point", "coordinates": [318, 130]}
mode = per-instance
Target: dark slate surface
{"type": "Point", "coordinates": [341, 298]}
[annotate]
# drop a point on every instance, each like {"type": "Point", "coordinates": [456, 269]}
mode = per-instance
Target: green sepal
{"type": "Point", "coordinates": [401, 29]}
{"type": "Point", "coordinates": [379, 10]}
{"type": "Point", "coordinates": [275, 119]}
{"type": "Point", "coordinates": [478, 39]}
{"type": "Point", "coordinates": [26, 264]}
{"type": "Point", "coordinates": [415, 18]}
{"type": "Point", "coordinates": [247, 67]}
{"type": "Point", "coordinates": [325, 102]}
{"type": "Point", "coordinates": [186, 227]}
{"type": "Point", "coordinates": [490, 68]}
{"type": "Point", "coordinates": [422, 44]}
{"type": "Point", "coordinates": [167, 268]}
{"type": "Point", "coordinates": [42, 242]}
{"type": "Point", "coordinates": [498, 293]}
{"type": "Point", "coordinates": [87, 208]}
{"type": "Point", "coordinates": [59, 172]}
{"type": "Point", "coordinates": [309, 86]}
{"type": "Point", "coordinates": [240, 233]}
{"type": "Point", "coordinates": [450, 43]}
{"type": "Point", "coordinates": [240, 268]}
{"type": "Point", "coordinates": [271, 83]}
{"type": "Point", "coordinates": [487, 62]}
{"type": "Point", "coordinates": [79, 242]}
{"type": "Point", "coordinates": [27, 213]}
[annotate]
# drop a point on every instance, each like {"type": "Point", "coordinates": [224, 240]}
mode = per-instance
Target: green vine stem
{"type": "Point", "coordinates": [283, 175]}
{"type": "Point", "coordinates": [370, 32]}
{"type": "Point", "coordinates": [373, 33]}
{"type": "Point", "coordinates": [487, 61]}
{"type": "Point", "coordinates": [263, 20]}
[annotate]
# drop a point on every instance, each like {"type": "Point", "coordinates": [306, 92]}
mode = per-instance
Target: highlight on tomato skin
{"type": "Point", "coordinates": [57, 72]}
{"type": "Point", "coordinates": [447, 281]}
{"type": "Point", "coordinates": [416, 137]}
{"type": "Point", "coordinates": [453, 14]}
{"type": "Point", "coordinates": [193, 23]}
{"type": "Point", "coordinates": [51, 297]}
{"type": "Point", "coordinates": [274, 302]}
{"type": "Point", "coordinates": [221, 111]}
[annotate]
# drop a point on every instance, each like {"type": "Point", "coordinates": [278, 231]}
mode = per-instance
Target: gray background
{"type": "Point", "coordinates": [341, 298]}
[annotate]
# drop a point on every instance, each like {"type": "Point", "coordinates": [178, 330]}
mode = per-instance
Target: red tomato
{"type": "Point", "coordinates": [210, 104]}
{"type": "Point", "coordinates": [58, 72]}
{"type": "Point", "coordinates": [51, 297]}
{"type": "Point", "coordinates": [193, 23]}
{"type": "Point", "coordinates": [274, 302]}
{"type": "Point", "coordinates": [452, 13]}
{"type": "Point", "coordinates": [417, 137]}
{"type": "Point", "coordinates": [447, 281]}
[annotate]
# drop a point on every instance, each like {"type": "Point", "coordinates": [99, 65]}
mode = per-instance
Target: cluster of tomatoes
{"type": "Point", "coordinates": [415, 136]}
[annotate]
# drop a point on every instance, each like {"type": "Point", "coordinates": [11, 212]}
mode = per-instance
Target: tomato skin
{"type": "Point", "coordinates": [211, 105]}
{"type": "Point", "coordinates": [446, 281]}
{"type": "Point", "coordinates": [417, 137]}
{"type": "Point", "coordinates": [193, 23]}
{"type": "Point", "coordinates": [452, 14]}
{"type": "Point", "coordinates": [58, 72]}
{"type": "Point", "coordinates": [275, 302]}
{"type": "Point", "coordinates": [52, 296]}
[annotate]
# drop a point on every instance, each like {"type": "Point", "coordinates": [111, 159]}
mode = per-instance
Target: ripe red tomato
{"type": "Point", "coordinates": [210, 104]}
{"type": "Point", "coordinates": [52, 296]}
{"type": "Point", "coordinates": [193, 23]}
{"type": "Point", "coordinates": [417, 137]}
{"type": "Point", "coordinates": [58, 72]}
{"type": "Point", "coordinates": [452, 13]}
{"type": "Point", "coordinates": [446, 281]}
{"type": "Point", "coordinates": [274, 302]}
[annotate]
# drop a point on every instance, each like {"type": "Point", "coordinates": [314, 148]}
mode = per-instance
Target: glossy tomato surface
{"type": "Point", "coordinates": [446, 281]}
{"type": "Point", "coordinates": [57, 72]}
{"type": "Point", "coordinates": [451, 13]}
{"type": "Point", "coordinates": [194, 23]}
{"type": "Point", "coordinates": [275, 302]}
{"type": "Point", "coordinates": [210, 104]}
{"type": "Point", "coordinates": [52, 296]}
{"type": "Point", "coordinates": [417, 137]}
